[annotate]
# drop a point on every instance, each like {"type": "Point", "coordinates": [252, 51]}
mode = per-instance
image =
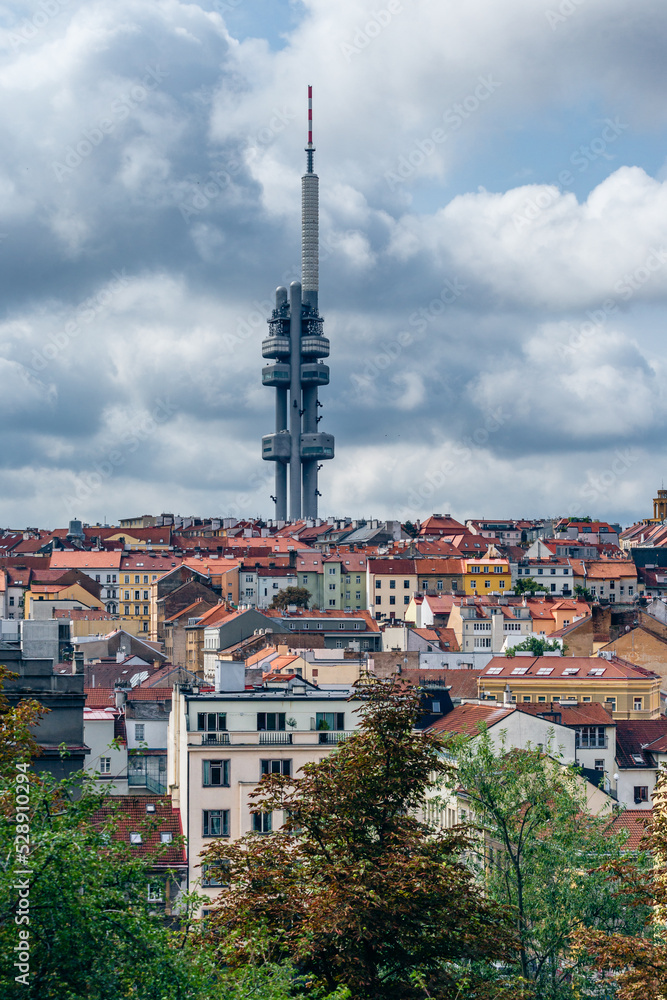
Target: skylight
{"type": "Point", "coordinates": [596, 671]}
{"type": "Point", "coordinates": [495, 670]}
{"type": "Point", "coordinates": [520, 670]}
{"type": "Point", "coordinates": [637, 758]}
{"type": "Point", "coordinates": [570, 671]}
{"type": "Point", "coordinates": [545, 671]}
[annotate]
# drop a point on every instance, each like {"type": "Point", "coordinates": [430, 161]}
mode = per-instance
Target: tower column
{"type": "Point", "coordinates": [281, 467]}
{"type": "Point", "coordinates": [295, 402]}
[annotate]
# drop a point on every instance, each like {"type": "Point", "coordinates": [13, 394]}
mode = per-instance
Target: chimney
{"type": "Point", "coordinates": [77, 662]}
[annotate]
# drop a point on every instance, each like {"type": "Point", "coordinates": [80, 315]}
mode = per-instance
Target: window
{"type": "Point", "coordinates": [145, 578]}
{"type": "Point", "coordinates": [357, 595]}
{"type": "Point", "coordinates": [145, 595]}
{"type": "Point", "coordinates": [638, 704]}
{"type": "Point", "coordinates": [11, 602]}
{"type": "Point", "coordinates": [127, 595]}
{"type": "Point", "coordinates": [105, 765]}
{"type": "Point", "coordinates": [501, 584]}
{"type": "Point", "coordinates": [215, 773]}
{"type": "Point", "coordinates": [275, 767]}
{"type": "Point", "coordinates": [261, 822]}
{"type": "Point", "coordinates": [527, 697]}
{"type": "Point", "coordinates": [553, 587]}
{"type": "Point", "coordinates": [270, 722]}
{"type": "Point", "coordinates": [332, 602]}
{"type": "Point", "coordinates": [487, 583]}
{"type": "Point", "coordinates": [136, 609]}
{"type": "Point", "coordinates": [211, 722]}
{"type": "Point", "coordinates": [590, 736]}
{"type": "Point", "coordinates": [497, 569]}
{"type": "Point", "coordinates": [599, 765]}
{"type": "Point", "coordinates": [126, 579]}
{"type": "Point", "coordinates": [213, 875]}
{"type": "Point", "coordinates": [610, 703]}
{"type": "Point", "coordinates": [392, 585]}
{"type": "Point", "coordinates": [378, 584]}
{"type": "Point", "coordinates": [392, 600]}
{"type": "Point", "coordinates": [215, 823]}
{"type": "Point", "coordinates": [127, 610]}
{"type": "Point", "coordinates": [357, 579]}
{"type": "Point", "coordinates": [641, 793]}
{"type": "Point", "coordinates": [136, 579]}
{"type": "Point", "coordinates": [97, 578]}
{"type": "Point", "coordinates": [540, 572]}
{"type": "Point", "coordinates": [473, 584]}
{"type": "Point", "coordinates": [332, 586]}
{"type": "Point", "coordinates": [146, 609]}
{"type": "Point", "coordinates": [482, 642]}
{"type": "Point", "coordinates": [155, 892]}
{"type": "Point", "coordinates": [541, 697]}
{"type": "Point", "coordinates": [406, 599]}
{"type": "Point", "coordinates": [332, 570]}
{"type": "Point", "coordinates": [553, 572]}
{"type": "Point", "coordinates": [378, 600]}
{"type": "Point", "coordinates": [108, 577]}
{"type": "Point", "coordinates": [139, 730]}
{"type": "Point", "coordinates": [166, 838]}
{"type": "Point", "coordinates": [144, 627]}
{"type": "Point", "coordinates": [475, 569]}
{"type": "Point", "coordinates": [330, 720]}
{"type": "Point", "coordinates": [136, 838]}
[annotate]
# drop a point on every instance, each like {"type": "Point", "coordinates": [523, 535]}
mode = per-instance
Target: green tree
{"type": "Point", "coordinates": [533, 644]}
{"type": "Point", "coordinates": [526, 585]}
{"type": "Point", "coordinates": [637, 965]}
{"type": "Point", "coordinates": [539, 850]}
{"type": "Point", "coordinates": [583, 592]}
{"type": "Point", "coordinates": [410, 529]}
{"type": "Point", "coordinates": [300, 596]}
{"type": "Point", "coordinates": [355, 889]}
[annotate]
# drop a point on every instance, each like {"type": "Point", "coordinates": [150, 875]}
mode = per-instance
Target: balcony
{"type": "Point", "coordinates": [275, 739]}
{"type": "Point", "coordinates": [249, 738]}
{"type": "Point", "coordinates": [333, 737]}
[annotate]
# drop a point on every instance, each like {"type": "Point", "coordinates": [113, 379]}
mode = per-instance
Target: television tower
{"type": "Point", "coordinates": [297, 342]}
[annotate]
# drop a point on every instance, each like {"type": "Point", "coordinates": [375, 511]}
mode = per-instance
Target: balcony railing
{"type": "Point", "coordinates": [274, 738]}
{"type": "Point", "coordinates": [333, 737]}
{"type": "Point", "coordinates": [215, 739]}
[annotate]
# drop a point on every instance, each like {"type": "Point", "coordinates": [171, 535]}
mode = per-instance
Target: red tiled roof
{"type": "Point", "coordinates": [635, 822]}
{"type": "Point", "coordinates": [467, 719]}
{"type": "Point", "coordinates": [633, 736]}
{"type": "Point", "coordinates": [503, 667]}
{"type": "Point", "coordinates": [128, 814]}
{"type": "Point", "coordinates": [591, 713]}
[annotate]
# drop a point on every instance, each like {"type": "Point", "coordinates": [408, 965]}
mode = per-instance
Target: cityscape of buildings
{"type": "Point", "coordinates": [184, 657]}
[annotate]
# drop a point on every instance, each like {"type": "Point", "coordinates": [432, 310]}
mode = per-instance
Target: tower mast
{"type": "Point", "coordinates": [296, 336]}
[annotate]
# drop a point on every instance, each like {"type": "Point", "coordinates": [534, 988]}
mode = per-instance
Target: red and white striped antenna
{"type": "Point", "coordinates": [310, 149]}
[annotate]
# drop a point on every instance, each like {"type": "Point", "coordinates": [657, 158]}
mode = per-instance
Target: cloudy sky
{"type": "Point", "coordinates": [493, 185]}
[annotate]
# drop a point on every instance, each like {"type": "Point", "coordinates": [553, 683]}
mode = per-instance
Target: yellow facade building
{"type": "Point", "coordinates": [628, 692]}
{"type": "Point", "coordinates": [486, 576]}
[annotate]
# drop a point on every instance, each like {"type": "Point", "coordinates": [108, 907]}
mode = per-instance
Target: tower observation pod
{"type": "Point", "coordinates": [295, 346]}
